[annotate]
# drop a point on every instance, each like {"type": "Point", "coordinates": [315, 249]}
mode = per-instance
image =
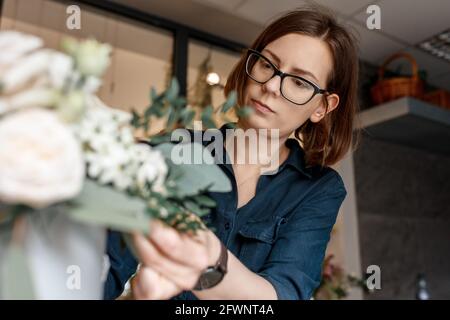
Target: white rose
{"type": "Point", "coordinates": [40, 160]}
{"type": "Point", "coordinates": [15, 44]}
{"type": "Point", "coordinates": [60, 69]}
{"type": "Point", "coordinates": [92, 57]}
{"type": "Point", "coordinates": [25, 69]}
{"type": "Point", "coordinates": [35, 97]}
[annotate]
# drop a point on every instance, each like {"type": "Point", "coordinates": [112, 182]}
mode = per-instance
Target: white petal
{"type": "Point", "coordinates": [41, 162]}
{"type": "Point", "coordinates": [36, 97]}
{"type": "Point", "coordinates": [25, 69]}
{"type": "Point", "coordinates": [59, 69]}
{"type": "Point", "coordinates": [15, 44]}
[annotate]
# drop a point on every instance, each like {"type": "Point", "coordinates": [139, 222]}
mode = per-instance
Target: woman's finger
{"type": "Point", "coordinates": [182, 275]}
{"type": "Point", "coordinates": [150, 285]}
{"type": "Point", "coordinates": [182, 248]}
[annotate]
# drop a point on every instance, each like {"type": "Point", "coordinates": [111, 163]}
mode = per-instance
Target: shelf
{"type": "Point", "coordinates": [409, 122]}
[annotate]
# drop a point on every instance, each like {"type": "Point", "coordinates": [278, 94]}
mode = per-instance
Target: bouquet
{"type": "Point", "coordinates": [336, 283]}
{"type": "Point", "coordinates": [65, 156]}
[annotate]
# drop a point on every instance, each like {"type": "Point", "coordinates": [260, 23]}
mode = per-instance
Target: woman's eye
{"type": "Point", "coordinates": [299, 83]}
{"type": "Point", "coordinates": [266, 65]}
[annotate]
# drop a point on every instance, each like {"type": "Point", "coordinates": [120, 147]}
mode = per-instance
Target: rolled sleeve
{"type": "Point", "coordinates": [294, 266]}
{"type": "Point", "coordinates": [122, 266]}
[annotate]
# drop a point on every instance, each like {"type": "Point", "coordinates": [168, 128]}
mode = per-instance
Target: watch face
{"type": "Point", "coordinates": [210, 278]}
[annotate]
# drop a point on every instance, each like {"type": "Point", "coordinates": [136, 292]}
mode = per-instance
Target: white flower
{"type": "Point", "coordinates": [59, 69]}
{"type": "Point", "coordinates": [15, 44]}
{"type": "Point", "coordinates": [153, 170]}
{"type": "Point", "coordinates": [50, 67]}
{"type": "Point", "coordinates": [119, 116]}
{"type": "Point", "coordinates": [106, 145]}
{"type": "Point", "coordinates": [126, 136]}
{"type": "Point", "coordinates": [113, 166]}
{"type": "Point", "coordinates": [91, 57]}
{"type": "Point", "coordinates": [24, 69]}
{"type": "Point", "coordinates": [30, 77]}
{"type": "Point", "coordinates": [112, 156]}
{"type": "Point", "coordinates": [72, 105]}
{"type": "Point", "coordinates": [34, 97]}
{"type": "Point", "coordinates": [40, 160]}
{"type": "Point", "coordinates": [91, 85]}
{"type": "Point", "coordinates": [163, 213]}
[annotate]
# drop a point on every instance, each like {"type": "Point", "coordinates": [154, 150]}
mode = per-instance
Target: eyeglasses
{"type": "Point", "coordinates": [295, 89]}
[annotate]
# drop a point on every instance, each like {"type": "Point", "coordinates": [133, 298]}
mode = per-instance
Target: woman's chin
{"type": "Point", "coordinates": [257, 122]}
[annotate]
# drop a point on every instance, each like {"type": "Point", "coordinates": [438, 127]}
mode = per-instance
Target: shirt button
{"type": "Point", "coordinates": [227, 226]}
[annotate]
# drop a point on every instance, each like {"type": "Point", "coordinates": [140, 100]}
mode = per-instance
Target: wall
{"type": "Point", "coordinates": [404, 217]}
{"type": "Point", "coordinates": [141, 54]}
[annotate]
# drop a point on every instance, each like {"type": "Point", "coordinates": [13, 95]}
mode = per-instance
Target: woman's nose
{"type": "Point", "coordinates": [273, 86]}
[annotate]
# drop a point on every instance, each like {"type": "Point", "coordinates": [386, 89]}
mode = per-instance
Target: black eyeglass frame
{"type": "Point", "coordinates": [278, 72]}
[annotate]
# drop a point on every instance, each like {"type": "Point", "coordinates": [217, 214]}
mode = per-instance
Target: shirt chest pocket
{"type": "Point", "coordinates": [257, 239]}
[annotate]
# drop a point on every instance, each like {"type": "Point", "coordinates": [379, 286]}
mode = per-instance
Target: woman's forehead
{"type": "Point", "coordinates": [301, 52]}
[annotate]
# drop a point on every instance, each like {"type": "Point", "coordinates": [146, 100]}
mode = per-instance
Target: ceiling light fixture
{"type": "Point", "coordinates": [438, 45]}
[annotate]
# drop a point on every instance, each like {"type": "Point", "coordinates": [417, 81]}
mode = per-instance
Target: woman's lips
{"type": "Point", "coordinates": [261, 106]}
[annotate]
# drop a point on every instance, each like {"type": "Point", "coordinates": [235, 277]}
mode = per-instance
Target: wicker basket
{"type": "Point", "coordinates": [438, 97]}
{"type": "Point", "coordinates": [389, 89]}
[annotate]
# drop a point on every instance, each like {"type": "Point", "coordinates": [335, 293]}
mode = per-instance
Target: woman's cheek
{"type": "Point", "coordinates": [290, 120]}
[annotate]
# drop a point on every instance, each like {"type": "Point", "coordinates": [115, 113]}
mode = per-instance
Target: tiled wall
{"type": "Point", "coordinates": [403, 199]}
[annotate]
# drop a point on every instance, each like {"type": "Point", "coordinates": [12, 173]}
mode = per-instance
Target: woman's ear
{"type": "Point", "coordinates": [319, 112]}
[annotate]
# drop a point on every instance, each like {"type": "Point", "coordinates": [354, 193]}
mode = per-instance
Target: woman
{"type": "Point", "coordinates": [300, 76]}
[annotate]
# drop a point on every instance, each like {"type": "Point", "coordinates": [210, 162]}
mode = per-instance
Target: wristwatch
{"type": "Point", "coordinates": [214, 274]}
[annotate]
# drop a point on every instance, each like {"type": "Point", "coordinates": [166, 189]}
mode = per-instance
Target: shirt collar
{"type": "Point", "coordinates": [296, 158]}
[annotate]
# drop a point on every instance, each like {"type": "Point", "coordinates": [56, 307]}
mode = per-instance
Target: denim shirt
{"type": "Point", "coordinates": [281, 233]}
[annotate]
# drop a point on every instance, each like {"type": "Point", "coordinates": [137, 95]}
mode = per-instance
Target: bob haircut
{"type": "Point", "coordinates": [327, 141]}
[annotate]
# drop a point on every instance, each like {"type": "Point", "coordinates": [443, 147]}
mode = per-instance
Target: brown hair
{"type": "Point", "coordinates": [328, 140]}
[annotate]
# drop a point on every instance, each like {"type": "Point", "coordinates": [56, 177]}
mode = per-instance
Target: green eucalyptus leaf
{"type": "Point", "coordinates": [180, 102]}
{"type": "Point", "coordinates": [135, 120]}
{"type": "Point", "coordinates": [173, 91]}
{"type": "Point", "coordinates": [209, 123]}
{"type": "Point", "coordinates": [205, 201]}
{"type": "Point", "coordinates": [232, 125]}
{"type": "Point", "coordinates": [208, 111]}
{"type": "Point", "coordinates": [153, 94]}
{"type": "Point", "coordinates": [158, 110]}
{"type": "Point", "coordinates": [187, 116]}
{"type": "Point", "coordinates": [192, 206]}
{"type": "Point", "coordinates": [206, 117]}
{"type": "Point", "coordinates": [105, 206]}
{"type": "Point", "coordinates": [160, 139]}
{"type": "Point", "coordinates": [149, 111]}
{"type": "Point", "coordinates": [230, 103]}
{"type": "Point", "coordinates": [244, 111]}
{"type": "Point", "coordinates": [195, 177]}
{"type": "Point", "coordinates": [173, 117]}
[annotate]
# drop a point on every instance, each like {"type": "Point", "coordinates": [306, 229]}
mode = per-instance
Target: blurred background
{"type": "Point", "coordinates": [397, 212]}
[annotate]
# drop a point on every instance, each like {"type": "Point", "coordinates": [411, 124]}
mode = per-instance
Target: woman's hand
{"type": "Point", "coordinates": [172, 262]}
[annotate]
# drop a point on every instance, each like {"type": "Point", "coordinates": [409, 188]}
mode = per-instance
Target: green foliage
{"type": "Point", "coordinates": [193, 178]}
{"type": "Point", "coordinates": [105, 206]}
{"type": "Point", "coordinates": [230, 103]}
{"type": "Point", "coordinates": [173, 106]}
{"type": "Point", "coordinates": [187, 184]}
